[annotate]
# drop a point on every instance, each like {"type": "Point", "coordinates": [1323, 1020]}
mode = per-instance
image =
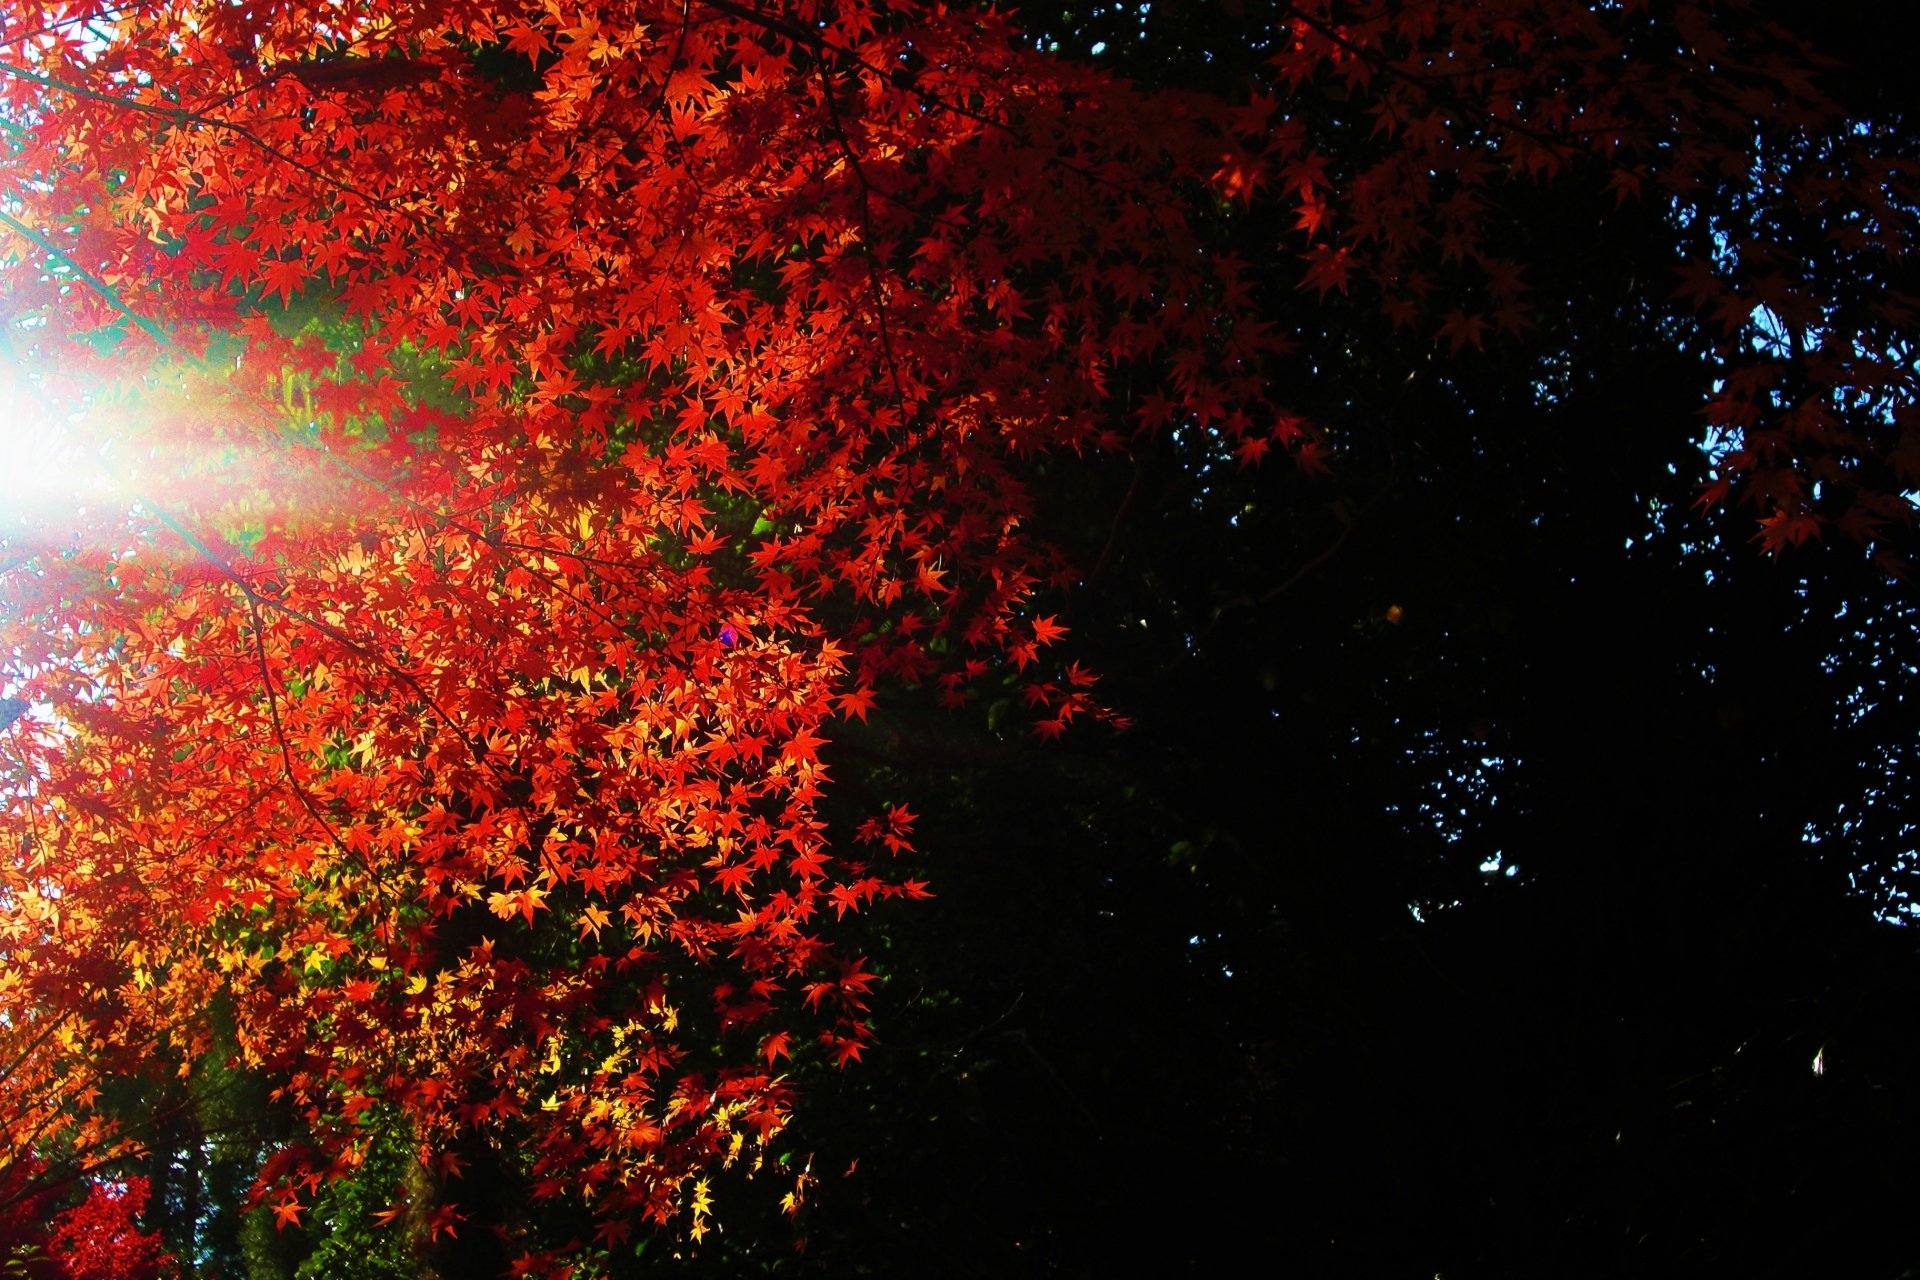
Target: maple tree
{"type": "Point", "coordinates": [522, 432]}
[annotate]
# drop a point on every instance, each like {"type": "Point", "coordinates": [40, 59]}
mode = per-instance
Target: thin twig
{"type": "Point", "coordinates": [286, 750]}
{"type": "Point", "coordinates": [1113, 530]}
{"type": "Point", "coordinates": [92, 281]}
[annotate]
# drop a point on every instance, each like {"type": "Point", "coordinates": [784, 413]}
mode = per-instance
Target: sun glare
{"type": "Point", "coordinates": [43, 470]}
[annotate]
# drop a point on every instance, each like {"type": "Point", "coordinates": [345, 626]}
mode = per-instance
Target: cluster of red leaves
{"type": "Point", "coordinates": [98, 1239]}
{"type": "Point", "coordinates": [447, 699]}
{"type": "Point", "coordinates": [523, 430]}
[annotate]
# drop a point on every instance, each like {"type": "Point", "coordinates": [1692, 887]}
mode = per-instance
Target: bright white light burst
{"type": "Point", "coordinates": [44, 471]}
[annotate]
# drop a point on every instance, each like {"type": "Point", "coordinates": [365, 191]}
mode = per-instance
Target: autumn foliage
{"type": "Point", "coordinates": [509, 439]}
{"type": "Point", "coordinates": [99, 1238]}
